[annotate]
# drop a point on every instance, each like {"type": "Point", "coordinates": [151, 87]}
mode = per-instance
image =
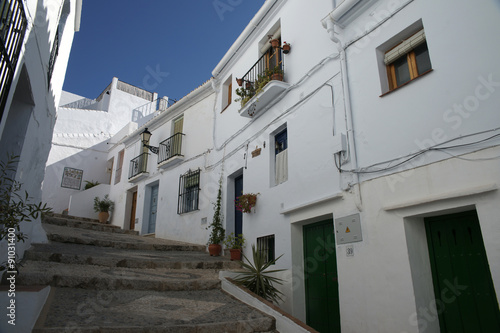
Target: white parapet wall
{"type": "Point", "coordinates": [284, 321]}
{"type": "Point", "coordinates": [81, 204]}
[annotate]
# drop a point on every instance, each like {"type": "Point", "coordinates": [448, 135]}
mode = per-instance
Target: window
{"type": "Point", "coordinates": [281, 156]}
{"type": "Point", "coordinates": [119, 166]}
{"type": "Point", "coordinates": [189, 192]}
{"type": "Point", "coordinates": [227, 89]}
{"type": "Point", "coordinates": [407, 60]}
{"type": "Point", "coordinates": [13, 25]}
{"type": "Point", "coordinates": [265, 247]}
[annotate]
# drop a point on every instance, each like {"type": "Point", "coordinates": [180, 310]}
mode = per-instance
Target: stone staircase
{"type": "Point", "coordinates": [104, 279]}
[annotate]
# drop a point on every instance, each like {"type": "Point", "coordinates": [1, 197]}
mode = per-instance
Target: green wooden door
{"type": "Point", "coordinates": [320, 273]}
{"type": "Point", "coordinates": [464, 291]}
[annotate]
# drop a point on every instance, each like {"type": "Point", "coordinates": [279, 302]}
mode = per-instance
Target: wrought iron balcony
{"type": "Point", "coordinates": [13, 25]}
{"type": "Point", "coordinates": [265, 79]}
{"type": "Point", "coordinates": [138, 167]}
{"type": "Point", "coordinates": [170, 151]}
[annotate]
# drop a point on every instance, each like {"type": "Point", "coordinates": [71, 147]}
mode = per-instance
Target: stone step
{"type": "Point", "coordinates": [112, 257]}
{"type": "Point", "coordinates": [115, 278]}
{"type": "Point", "coordinates": [127, 311]}
{"type": "Point", "coordinates": [74, 222]}
{"type": "Point", "coordinates": [64, 234]}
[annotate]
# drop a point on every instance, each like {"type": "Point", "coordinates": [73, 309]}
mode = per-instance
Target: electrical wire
{"type": "Point", "coordinates": [423, 151]}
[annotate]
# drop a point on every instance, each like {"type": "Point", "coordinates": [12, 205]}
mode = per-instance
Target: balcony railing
{"type": "Point", "coordinates": [138, 165]}
{"type": "Point", "coordinates": [12, 29]}
{"type": "Point", "coordinates": [263, 68]}
{"type": "Point", "coordinates": [170, 147]}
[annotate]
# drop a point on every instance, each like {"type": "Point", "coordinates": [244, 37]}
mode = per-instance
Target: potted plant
{"type": "Point", "coordinates": [244, 95]}
{"type": "Point", "coordinates": [90, 184]}
{"type": "Point", "coordinates": [275, 43]}
{"type": "Point", "coordinates": [246, 202]}
{"type": "Point", "coordinates": [103, 207]}
{"type": "Point", "coordinates": [257, 279]}
{"type": "Point", "coordinates": [239, 81]}
{"type": "Point", "coordinates": [277, 73]}
{"type": "Point", "coordinates": [286, 48]}
{"type": "Point", "coordinates": [217, 232]}
{"type": "Point", "coordinates": [235, 244]}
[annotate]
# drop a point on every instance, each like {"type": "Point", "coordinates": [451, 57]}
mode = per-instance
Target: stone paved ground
{"type": "Point", "coordinates": [104, 280]}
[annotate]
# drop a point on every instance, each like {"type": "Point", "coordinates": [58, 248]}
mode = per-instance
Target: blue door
{"type": "Point", "coordinates": [238, 215]}
{"type": "Point", "coordinates": [153, 209]}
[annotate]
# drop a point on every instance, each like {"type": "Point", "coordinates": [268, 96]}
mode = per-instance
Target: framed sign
{"type": "Point", "coordinates": [72, 178]}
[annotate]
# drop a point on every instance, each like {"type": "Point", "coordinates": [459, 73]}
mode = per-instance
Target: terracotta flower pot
{"type": "Point", "coordinates": [103, 217]}
{"type": "Point", "coordinates": [248, 85]}
{"type": "Point", "coordinates": [286, 48]}
{"type": "Point", "coordinates": [235, 254]}
{"type": "Point", "coordinates": [240, 82]}
{"type": "Point", "coordinates": [275, 43]}
{"type": "Point", "coordinates": [214, 249]}
{"type": "Point", "coordinates": [277, 76]}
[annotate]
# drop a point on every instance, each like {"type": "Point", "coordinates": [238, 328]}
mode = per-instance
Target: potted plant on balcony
{"type": "Point", "coordinates": [244, 95]}
{"type": "Point", "coordinates": [217, 232]}
{"type": "Point", "coordinates": [235, 245]}
{"type": "Point", "coordinates": [275, 42]}
{"type": "Point", "coordinates": [246, 202]}
{"type": "Point", "coordinates": [277, 73]}
{"type": "Point", "coordinates": [103, 207]}
{"type": "Point", "coordinates": [286, 48]}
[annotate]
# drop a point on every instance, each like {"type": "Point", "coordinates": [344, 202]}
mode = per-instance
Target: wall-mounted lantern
{"type": "Point", "coordinates": [145, 136]}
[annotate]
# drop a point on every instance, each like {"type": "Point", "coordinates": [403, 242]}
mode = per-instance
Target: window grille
{"type": "Point", "coordinates": [265, 247]}
{"type": "Point", "coordinates": [189, 192]}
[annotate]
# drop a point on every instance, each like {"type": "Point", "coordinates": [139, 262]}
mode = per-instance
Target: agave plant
{"type": "Point", "coordinates": [257, 279]}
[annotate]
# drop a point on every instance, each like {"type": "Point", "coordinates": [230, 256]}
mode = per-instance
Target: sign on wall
{"type": "Point", "coordinates": [72, 178]}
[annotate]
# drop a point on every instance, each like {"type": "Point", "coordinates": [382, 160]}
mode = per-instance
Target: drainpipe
{"type": "Point", "coordinates": [329, 25]}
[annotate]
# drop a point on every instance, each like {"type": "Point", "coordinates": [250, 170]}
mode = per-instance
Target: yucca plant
{"type": "Point", "coordinates": [257, 279]}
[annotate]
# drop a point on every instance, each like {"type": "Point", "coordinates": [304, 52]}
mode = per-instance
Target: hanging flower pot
{"type": "Point", "coordinates": [248, 85]}
{"type": "Point", "coordinates": [286, 48]}
{"type": "Point", "coordinates": [239, 81]}
{"type": "Point", "coordinates": [246, 202]}
{"type": "Point", "coordinates": [275, 43]}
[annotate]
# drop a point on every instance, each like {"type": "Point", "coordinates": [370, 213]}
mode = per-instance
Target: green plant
{"type": "Point", "coordinates": [90, 184]}
{"type": "Point", "coordinates": [244, 95]}
{"type": "Point", "coordinates": [234, 242]}
{"type": "Point", "coordinates": [257, 279]}
{"type": "Point", "coordinates": [104, 205]}
{"type": "Point", "coordinates": [217, 232]}
{"type": "Point", "coordinates": [246, 202]}
{"type": "Point", "coordinates": [14, 206]}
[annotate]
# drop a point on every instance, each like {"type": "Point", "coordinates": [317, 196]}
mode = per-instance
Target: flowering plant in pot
{"type": "Point", "coordinates": [246, 202]}
{"type": "Point", "coordinates": [103, 207]}
{"type": "Point", "coordinates": [235, 245]}
{"type": "Point", "coordinates": [217, 232]}
{"type": "Point", "coordinates": [286, 48]}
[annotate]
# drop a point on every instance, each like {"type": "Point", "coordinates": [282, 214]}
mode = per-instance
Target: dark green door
{"type": "Point", "coordinates": [320, 273]}
{"type": "Point", "coordinates": [465, 297]}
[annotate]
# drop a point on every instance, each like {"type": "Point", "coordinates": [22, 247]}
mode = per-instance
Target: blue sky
{"type": "Point", "coordinates": [165, 46]}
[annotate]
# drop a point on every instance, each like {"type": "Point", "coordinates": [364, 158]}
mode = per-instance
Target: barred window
{"type": "Point", "coordinates": [265, 247]}
{"type": "Point", "coordinates": [189, 192]}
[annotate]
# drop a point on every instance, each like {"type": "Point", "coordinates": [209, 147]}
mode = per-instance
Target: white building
{"type": "Point", "coordinates": [82, 134]}
{"type": "Point", "coordinates": [37, 36]}
{"type": "Point", "coordinates": [375, 161]}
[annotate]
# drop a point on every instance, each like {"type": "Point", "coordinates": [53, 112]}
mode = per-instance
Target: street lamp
{"type": "Point", "coordinates": [145, 136]}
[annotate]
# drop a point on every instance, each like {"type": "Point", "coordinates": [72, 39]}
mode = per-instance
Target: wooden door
{"type": "Point", "coordinates": [132, 212]}
{"type": "Point", "coordinates": [461, 274]}
{"type": "Point", "coordinates": [320, 273]}
{"type": "Point", "coordinates": [153, 209]}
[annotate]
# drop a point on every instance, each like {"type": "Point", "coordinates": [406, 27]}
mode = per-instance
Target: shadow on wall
{"type": "Point", "coordinates": [69, 175]}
